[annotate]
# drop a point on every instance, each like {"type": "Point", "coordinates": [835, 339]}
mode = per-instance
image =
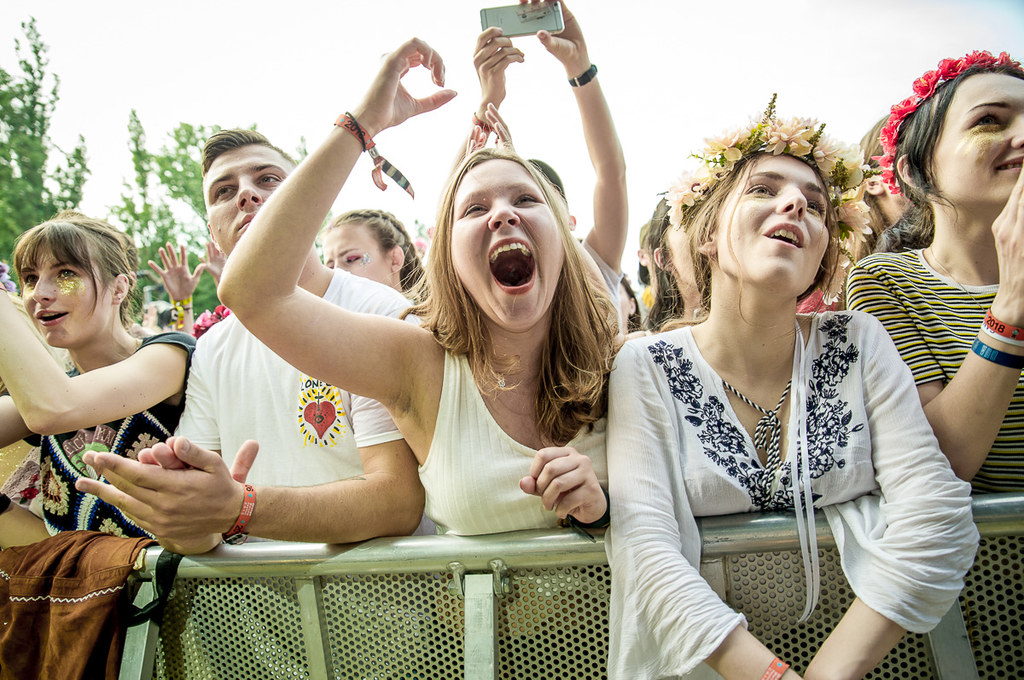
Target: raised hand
{"type": "Point", "coordinates": [1008, 230]}
{"type": "Point", "coordinates": [494, 53]}
{"type": "Point", "coordinates": [568, 46]}
{"type": "Point", "coordinates": [214, 260]}
{"type": "Point", "coordinates": [388, 103]}
{"type": "Point", "coordinates": [566, 483]}
{"type": "Point", "coordinates": [178, 280]}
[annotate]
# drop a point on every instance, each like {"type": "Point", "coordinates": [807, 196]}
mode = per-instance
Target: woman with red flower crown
{"type": "Point", "coordinates": [956, 308]}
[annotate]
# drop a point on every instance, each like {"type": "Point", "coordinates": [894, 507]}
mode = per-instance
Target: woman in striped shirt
{"type": "Point", "coordinates": [954, 308]}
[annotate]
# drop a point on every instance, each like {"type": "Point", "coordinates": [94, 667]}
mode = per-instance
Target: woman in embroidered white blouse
{"type": "Point", "coordinates": [758, 408]}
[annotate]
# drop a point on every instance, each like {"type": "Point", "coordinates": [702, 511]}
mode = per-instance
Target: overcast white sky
{"type": "Point", "coordinates": [673, 72]}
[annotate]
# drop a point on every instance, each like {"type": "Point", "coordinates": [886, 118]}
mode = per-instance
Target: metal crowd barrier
{"type": "Point", "coordinates": [533, 605]}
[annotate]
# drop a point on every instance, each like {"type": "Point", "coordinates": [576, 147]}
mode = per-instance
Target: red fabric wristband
{"type": "Point", "coordinates": [484, 125]}
{"type": "Point", "coordinates": [381, 166]}
{"type": "Point", "coordinates": [245, 514]}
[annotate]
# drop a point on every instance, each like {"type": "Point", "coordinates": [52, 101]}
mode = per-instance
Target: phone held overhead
{"type": "Point", "coordinates": [524, 19]}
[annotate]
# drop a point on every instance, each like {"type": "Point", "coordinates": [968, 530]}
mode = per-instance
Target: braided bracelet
{"type": "Point", "coordinates": [348, 122]}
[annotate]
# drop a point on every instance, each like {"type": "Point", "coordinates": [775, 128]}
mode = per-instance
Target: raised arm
{"type": "Point", "coordinates": [372, 356]}
{"type": "Point", "coordinates": [51, 402]}
{"type": "Point", "coordinates": [179, 283]}
{"type": "Point", "coordinates": [494, 54]}
{"type": "Point", "coordinates": [608, 236]}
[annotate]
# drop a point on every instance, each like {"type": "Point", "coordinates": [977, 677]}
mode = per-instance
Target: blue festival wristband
{"type": "Point", "coordinates": [997, 357]}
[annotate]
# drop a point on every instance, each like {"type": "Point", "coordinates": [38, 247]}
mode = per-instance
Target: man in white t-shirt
{"type": "Point", "coordinates": [331, 467]}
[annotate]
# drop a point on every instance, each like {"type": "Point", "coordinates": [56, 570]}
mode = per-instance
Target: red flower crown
{"type": "Point", "coordinates": [924, 87]}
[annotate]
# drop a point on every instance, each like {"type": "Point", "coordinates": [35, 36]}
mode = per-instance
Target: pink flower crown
{"type": "Point", "coordinates": [924, 88]}
{"type": "Point", "coordinates": [841, 166]}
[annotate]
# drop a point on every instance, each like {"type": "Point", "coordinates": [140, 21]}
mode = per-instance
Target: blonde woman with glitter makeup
{"type": "Point", "coordinates": [375, 245]}
{"type": "Point", "coordinates": [500, 391]}
{"type": "Point", "coordinates": [757, 408]}
{"type": "Point", "coordinates": [78, 280]}
{"type": "Point", "coordinates": [955, 309]}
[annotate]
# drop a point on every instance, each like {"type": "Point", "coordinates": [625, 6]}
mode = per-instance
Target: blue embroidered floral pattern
{"type": "Point", "coordinates": [828, 417]}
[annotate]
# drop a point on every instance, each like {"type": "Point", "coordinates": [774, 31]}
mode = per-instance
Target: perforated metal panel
{"type": "Point", "coordinates": [394, 626]}
{"type": "Point", "coordinates": [993, 604]}
{"type": "Point", "coordinates": [554, 624]}
{"type": "Point", "coordinates": [769, 589]}
{"type": "Point", "coordinates": [232, 629]}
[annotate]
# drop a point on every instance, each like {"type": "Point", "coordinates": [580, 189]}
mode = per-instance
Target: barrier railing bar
{"type": "Point", "coordinates": [309, 593]}
{"type": "Point", "coordinates": [994, 514]}
{"type": "Point", "coordinates": [949, 647]}
{"type": "Point", "coordinates": [140, 642]}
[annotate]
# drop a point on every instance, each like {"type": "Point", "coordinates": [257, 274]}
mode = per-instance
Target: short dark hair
{"type": "Point", "coordinates": [228, 140]}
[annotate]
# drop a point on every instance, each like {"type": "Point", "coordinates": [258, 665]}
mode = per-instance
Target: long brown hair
{"type": "Point", "coordinates": [580, 346]}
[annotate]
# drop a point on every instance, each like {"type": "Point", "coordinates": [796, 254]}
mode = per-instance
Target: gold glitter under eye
{"type": "Point", "coordinates": [69, 284]}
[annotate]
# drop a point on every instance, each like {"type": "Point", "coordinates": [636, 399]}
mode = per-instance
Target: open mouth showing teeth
{"type": "Point", "coordinates": [512, 265]}
{"type": "Point", "coordinates": [51, 316]}
{"type": "Point", "coordinates": [787, 236]}
{"type": "Point", "coordinates": [1011, 165]}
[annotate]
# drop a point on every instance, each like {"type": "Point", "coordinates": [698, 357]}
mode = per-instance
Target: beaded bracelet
{"type": "Point", "coordinates": [237, 533]}
{"type": "Point", "coordinates": [997, 357]}
{"type": "Point", "coordinates": [775, 669]}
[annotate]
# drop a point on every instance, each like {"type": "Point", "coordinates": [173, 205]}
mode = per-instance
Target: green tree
{"type": "Point", "coordinates": [164, 201]}
{"type": "Point", "coordinates": [37, 179]}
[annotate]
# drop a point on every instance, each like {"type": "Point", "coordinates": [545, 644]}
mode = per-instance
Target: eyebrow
{"type": "Point", "coordinates": [254, 169]}
{"type": "Point", "coordinates": [1001, 105]}
{"type": "Point", "coordinates": [810, 187]}
{"type": "Point", "coordinates": [513, 188]}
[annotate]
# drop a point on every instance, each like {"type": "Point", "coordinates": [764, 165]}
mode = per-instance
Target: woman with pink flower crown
{"type": "Point", "coordinates": [955, 309]}
{"type": "Point", "coordinates": [759, 408]}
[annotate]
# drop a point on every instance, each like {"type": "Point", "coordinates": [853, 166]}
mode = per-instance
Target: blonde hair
{"type": "Point", "coordinates": [580, 346]}
{"type": "Point", "coordinates": [703, 223]}
{"type": "Point", "coordinates": [90, 244]}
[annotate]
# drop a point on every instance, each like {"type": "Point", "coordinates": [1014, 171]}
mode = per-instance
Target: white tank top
{"type": "Point", "coordinates": [473, 468]}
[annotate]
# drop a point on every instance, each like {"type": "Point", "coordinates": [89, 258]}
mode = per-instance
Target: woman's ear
{"type": "Point", "coordinates": [396, 258]}
{"type": "Point", "coordinates": [659, 260]}
{"type": "Point", "coordinates": [122, 285]}
{"type": "Point", "coordinates": [708, 248]}
{"type": "Point", "coordinates": [902, 171]}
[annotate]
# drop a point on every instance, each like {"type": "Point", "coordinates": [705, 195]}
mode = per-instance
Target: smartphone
{"type": "Point", "coordinates": [526, 19]}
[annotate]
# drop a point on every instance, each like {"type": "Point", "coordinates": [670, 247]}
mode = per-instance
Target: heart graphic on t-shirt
{"type": "Point", "coordinates": [319, 414]}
